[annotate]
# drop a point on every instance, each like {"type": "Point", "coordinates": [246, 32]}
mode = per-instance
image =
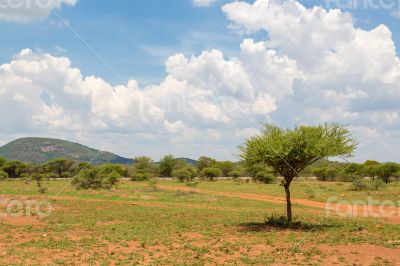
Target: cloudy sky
{"type": "Point", "coordinates": [195, 77]}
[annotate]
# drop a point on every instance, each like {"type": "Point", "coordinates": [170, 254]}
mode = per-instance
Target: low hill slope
{"type": "Point", "coordinates": [40, 150]}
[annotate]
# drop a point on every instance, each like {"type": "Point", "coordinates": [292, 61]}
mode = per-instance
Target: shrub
{"type": "Point", "coordinates": [38, 177]}
{"type": "Point", "coordinates": [141, 176]}
{"type": "Point", "coordinates": [181, 174]}
{"type": "Point", "coordinates": [14, 169]}
{"type": "Point", "coordinates": [377, 184]}
{"type": "Point", "coordinates": [88, 179]}
{"type": "Point", "coordinates": [152, 183]}
{"type": "Point", "coordinates": [265, 177]}
{"type": "Point", "coordinates": [212, 172]}
{"type": "Point", "coordinates": [192, 184]}
{"type": "Point", "coordinates": [3, 175]}
{"type": "Point", "coordinates": [111, 179]}
{"type": "Point", "coordinates": [359, 184]}
{"type": "Point", "coordinates": [235, 174]}
{"type": "Point", "coordinates": [108, 168]}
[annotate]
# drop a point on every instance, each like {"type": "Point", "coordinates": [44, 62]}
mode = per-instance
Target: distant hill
{"type": "Point", "coordinates": [188, 160]}
{"type": "Point", "coordinates": [40, 150]}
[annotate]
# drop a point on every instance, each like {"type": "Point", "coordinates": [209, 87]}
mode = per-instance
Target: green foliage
{"type": "Point", "coordinates": [289, 151]}
{"type": "Point", "coordinates": [321, 173]}
{"type": "Point", "coordinates": [359, 184]}
{"type": "Point", "coordinates": [377, 184]}
{"type": "Point", "coordinates": [2, 161]}
{"type": "Point", "coordinates": [14, 169]}
{"type": "Point", "coordinates": [265, 177]}
{"type": "Point", "coordinates": [3, 175]}
{"type": "Point", "coordinates": [235, 174]}
{"type": "Point", "coordinates": [354, 171]}
{"type": "Point", "coordinates": [192, 184]}
{"type": "Point", "coordinates": [88, 179]}
{"type": "Point", "coordinates": [252, 168]}
{"type": "Point", "coordinates": [181, 164]}
{"type": "Point", "coordinates": [143, 164]}
{"type": "Point", "coordinates": [185, 174]}
{"type": "Point", "coordinates": [182, 174]}
{"type": "Point", "coordinates": [141, 176]}
{"type": "Point", "coordinates": [167, 165]}
{"type": "Point", "coordinates": [38, 177]}
{"type": "Point", "coordinates": [143, 168]}
{"type": "Point", "coordinates": [111, 179]}
{"type": "Point", "coordinates": [371, 163]}
{"type": "Point", "coordinates": [108, 168]}
{"type": "Point", "coordinates": [226, 167]}
{"type": "Point", "coordinates": [278, 221]}
{"type": "Point", "coordinates": [32, 168]}
{"type": "Point", "coordinates": [92, 179]}
{"type": "Point", "coordinates": [212, 172]}
{"type": "Point", "coordinates": [82, 166]}
{"type": "Point", "coordinates": [387, 170]}
{"type": "Point", "coordinates": [205, 162]}
{"type": "Point", "coordinates": [325, 173]}
{"type": "Point", "coordinates": [60, 166]}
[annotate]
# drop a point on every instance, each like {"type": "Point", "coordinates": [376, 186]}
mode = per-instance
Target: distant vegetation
{"type": "Point", "coordinates": [106, 171]}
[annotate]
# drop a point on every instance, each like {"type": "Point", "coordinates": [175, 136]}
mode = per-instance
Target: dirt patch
{"type": "Point", "coordinates": [363, 254]}
{"type": "Point", "coordinates": [192, 235]}
{"type": "Point", "coordinates": [22, 220]}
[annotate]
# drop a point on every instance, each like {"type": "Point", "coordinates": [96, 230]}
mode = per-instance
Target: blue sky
{"type": "Point", "coordinates": [136, 37]}
{"type": "Point", "coordinates": [204, 55]}
{"type": "Point", "coordinates": [133, 37]}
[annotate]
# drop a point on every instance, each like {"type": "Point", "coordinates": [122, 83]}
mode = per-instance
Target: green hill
{"type": "Point", "coordinates": [40, 150]}
{"type": "Point", "coordinates": [188, 160]}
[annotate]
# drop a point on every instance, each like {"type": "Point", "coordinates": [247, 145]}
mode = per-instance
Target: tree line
{"type": "Point", "coordinates": [337, 171]}
{"type": "Point", "coordinates": [205, 167]}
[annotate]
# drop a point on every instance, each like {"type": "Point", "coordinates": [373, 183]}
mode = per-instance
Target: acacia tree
{"type": "Point", "coordinates": [60, 166]}
{"type": "Point", "coordinates": [387, 170]}
{"type": "Point", "coordinates": [289, 151]}
{"type": "Point", "coordinates": [167, 165]}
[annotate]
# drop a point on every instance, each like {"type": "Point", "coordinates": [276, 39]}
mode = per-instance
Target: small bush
{"type": "Point", "coordinates": [265, 177]}
{"type": "Point", "coordinates": [111, 179]}
{"type": "Point", "coordinates": [87, 179]}
{"type": "Point", "coordinates": [359, 185]}
{"type": "Point", "coordinates": [182, 174]}
{"type": "Point", "coordinates": [140, 176]}
{"type": "Point", "coordinates": [235, 174]}
{"type": "Point", "coordinates": [212, 172]}
{"type": "Point", "coordinates": [3, 176]}
{"type": "Point", "coordinates": [377, 184]}
{"type": "Point", "coordinates": [192, 184]}
{"type": "Point", "coordinates": [278, 221]}
{"type": "Point", "coordinates": [42, 190]}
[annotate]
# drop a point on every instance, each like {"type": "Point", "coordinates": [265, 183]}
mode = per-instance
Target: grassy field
{"type": "Point", "coordinates": [169, 223]}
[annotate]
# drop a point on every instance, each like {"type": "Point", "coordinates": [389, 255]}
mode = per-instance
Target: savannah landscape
{"type": "Point", "coordinates": [200, 132]}
{"type": "Point", "coordinates": [204, 212]}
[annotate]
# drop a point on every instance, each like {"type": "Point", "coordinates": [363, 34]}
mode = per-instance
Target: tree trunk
{"type": "Point", "coordinates": [288, 203]}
